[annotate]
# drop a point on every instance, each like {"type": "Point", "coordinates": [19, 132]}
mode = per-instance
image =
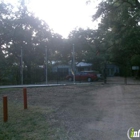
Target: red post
{"type": "Point", "coordinates": [25, 98]}
{"type": "Point", "coordinates": [5, 109]}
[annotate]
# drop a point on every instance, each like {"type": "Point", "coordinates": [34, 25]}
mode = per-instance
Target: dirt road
{"type": "Point", "coordinates": [99, 113]}
{"type": "Point", "coordinates": [119, 107]}
{"type": "Point", "coordinates": [88, 112]}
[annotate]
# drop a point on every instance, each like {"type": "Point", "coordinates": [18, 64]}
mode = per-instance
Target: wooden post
{"type": "Point", "coordinates": [5, 109]}
{"type": "Point", "coordinates": [25, 98]}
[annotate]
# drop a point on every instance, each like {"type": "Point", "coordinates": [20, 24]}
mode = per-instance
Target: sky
{"type": "Point", "coordinates": [63, 16]}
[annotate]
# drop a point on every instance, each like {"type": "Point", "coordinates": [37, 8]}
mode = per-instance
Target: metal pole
{"type": "Point", "coordinates": [21, 66]}
{"type": "Point", "coordinates": [73, 64]}
{"type": "Point", "coordinates": [46, 67]}
{"type": "Point", "coordinates": [5, 109]}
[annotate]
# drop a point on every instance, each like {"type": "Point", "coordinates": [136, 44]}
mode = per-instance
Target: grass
{"type": "Point", "coordinates": [9, 89]}
{"type": "Point", "coordinates": [29, 124]}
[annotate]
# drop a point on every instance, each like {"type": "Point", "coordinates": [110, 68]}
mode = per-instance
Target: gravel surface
{"type": "Point", "coordinates": [87, 112]}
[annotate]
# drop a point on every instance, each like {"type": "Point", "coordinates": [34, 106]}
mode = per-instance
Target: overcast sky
{"type": "Point", "coordinates": [64, 15]}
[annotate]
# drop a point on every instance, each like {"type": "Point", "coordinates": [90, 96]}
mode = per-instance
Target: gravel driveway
{"type": "Point", "coordinates": [98, 112]}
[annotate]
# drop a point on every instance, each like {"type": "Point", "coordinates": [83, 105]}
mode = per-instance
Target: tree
{"type": "Point", "coordinates": [88, 46]}
{"type": "Point", "coordinates": [120, 26]}
{"type": "Point", "coordinates": [20, 30]}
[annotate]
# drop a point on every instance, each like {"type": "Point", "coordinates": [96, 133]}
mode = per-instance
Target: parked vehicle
{"type": "Point", "coordinates": [83, 76]}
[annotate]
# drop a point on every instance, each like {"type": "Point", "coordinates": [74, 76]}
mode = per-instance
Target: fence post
{"type": "Point", "coordinates": [5, 109]}
{"type": "Point", "coordinates": [25, 98]}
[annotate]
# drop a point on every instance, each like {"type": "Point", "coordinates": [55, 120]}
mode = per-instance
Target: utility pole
{"type": "Point", "coordinates": [21, 65]}
{"type": "Point", "coordinates": [21, 49]}
{"type": "Point", "coordinates": [46, 66]}
{"type": "Point", "coordinates": [73, 64]}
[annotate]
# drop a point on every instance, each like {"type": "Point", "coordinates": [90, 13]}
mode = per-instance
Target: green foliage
{"type": "Point", "coordinates": [21, 30]}
{"type": "Point", "coordinates": [120, 29]}
{"type": "Point", "coordinates": [116, 40]}
{"type": "Point", "coordinates": [88, 46]}
{"type": "Point", "coordinates": [135, 60]}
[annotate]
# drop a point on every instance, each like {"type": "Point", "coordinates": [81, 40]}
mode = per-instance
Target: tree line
{"type": "Point", "coordinates": [117, 40]}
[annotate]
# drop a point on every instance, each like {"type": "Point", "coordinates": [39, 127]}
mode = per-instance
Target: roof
{"type": "Point", "coordinates": [83, 64]}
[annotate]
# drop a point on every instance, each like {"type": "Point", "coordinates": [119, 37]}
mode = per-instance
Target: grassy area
{"type": "Point", "coordinates": [9, 89]}
{"type": "Point", "coordinates": [30, 124]}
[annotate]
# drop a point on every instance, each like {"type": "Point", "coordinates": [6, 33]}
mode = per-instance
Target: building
{"type": "Point", "coordinates": [83, 66]}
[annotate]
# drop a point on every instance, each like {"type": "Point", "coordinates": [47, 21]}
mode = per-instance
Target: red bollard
{"type": "Point", "coordinates": [5, 109]}
{"type": "Point", "coordinates": [25, 98]}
